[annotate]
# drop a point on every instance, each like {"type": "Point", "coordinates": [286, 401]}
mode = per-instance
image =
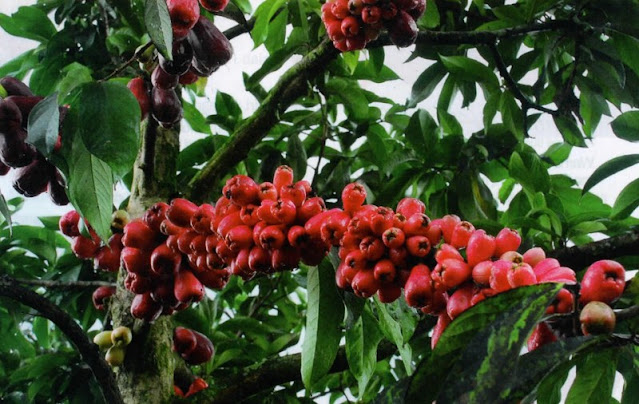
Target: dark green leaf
{"type": "Point", "coordinates": [41, 331]}
{"type": "Point", "coordinates": [361, 348]}
{"type": "Point", "coordinates": [628, 49]}
{"type": "Point", "coordinates": [43, 126]}
{"type": "Point", "coordinates": [595, 377]}
{"type": "Point", "coordinates": [529, 171]}
{"type": "Point", "coordinates": [626, 202]}
{"type": "Point", "coordinates": [158, 25]}
{"type": "Point", "coordinates": [296, 156]}
{"type": "Point", "coordinates": [6, 213]}
{"type": "Point", "coordinates": [471, 70]}
{"type": "Point", "coordinates": [569, 131]}
{"type": "Point", "coordinates": [109, 123]}
{"type": "Point", "coordinates": [351, 95]}
{"type": "Point", "coordinates": [195, 119]}
{"type": "Point", "coordinates": [324, 318]}
{"type": "Point", "coordinates": [426, 83]}
{"type": "Point", "coordinates": [609, 168]}
{"type": "Point", "coordinates": [28, 22]}
{"type": "Point", "coordinates": [626, 126]}
{"type": "Point", "coordinates": [263, 15]}
{"type": "Point", "coordinates": [421, 131]}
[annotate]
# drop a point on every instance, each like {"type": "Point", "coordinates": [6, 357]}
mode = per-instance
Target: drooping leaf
{"type": "Point", "coordinates": [296, 156]}
{"type": "Point", "coordinates": [426, 83]}
{"type": "Point", "coordinates": [6, 213]}
{"type": "Point", "coordinates": [529, 171]}
{"type": "Point", "coordinates": [471, 70]}
{"type": "Point", "coordinates": [324, 317]}
{"type": "Point", "coordinates": [108, 123]}
{"type": "Point", "coordinates": [158, 25]}
{"type": "Point", "coordinates": [421, 132]}
{"type": "Point", "coordinates": [569, 131]}
{"type": "Point", "coordinates": [595, 377]}
{"type": "Point", "coordinates": [43, 124]}
{"type": "Point", "coordinates": [610, 168]}
{"type": "Point", "coordinates": [626, 126]}
{"type": "Point", "coordinates": [361, 348]}
{"type": "Point", "coordinates": [626, 202]}
{"type": "Point", "coordinates": [392, 330]}
{"type": "Point", "coordinates": [263, 14]}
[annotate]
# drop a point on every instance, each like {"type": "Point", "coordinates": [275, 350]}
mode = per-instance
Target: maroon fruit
{"type": "Point", "coordinates": [211, 49]}
{"type": "Point", "coordinates": [166, 106]}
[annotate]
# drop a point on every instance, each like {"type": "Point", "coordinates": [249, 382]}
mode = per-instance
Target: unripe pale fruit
{"type": "Point", "coordinates": [103, 339]}
{"type": "Point", "coordinates": [121, 336]}
{"type": "Point", "coordinates": [115, 356]}
{"type": "Point", "coordinates": [597, 318]}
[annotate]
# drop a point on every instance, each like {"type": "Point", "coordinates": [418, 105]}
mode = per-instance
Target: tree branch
{"type": "Point", "coordinates": [63, 285]}
{"type": "Point", "coordinates": [578, 257]}
{"type": "Point", "coordinates": [88, 350]}
{"type": "Point", "coordinates": [274, 372]}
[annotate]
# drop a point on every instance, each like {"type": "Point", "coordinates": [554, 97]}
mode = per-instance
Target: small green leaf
{"type": "Point", "coordinates": [243, 5]}
{"type": "Point", "coordinates": [41, 331]}
{"type": "Point", "coordinates": [28, 22]}
{"type": "Point", "coordinates": [351, 95]}
{"type": "Point", "coordinates": [628, 49]}
{"type": "Point", "coordinates": [569, 131]}
{"type": "Point", "coordinates": [4, 210]}
{"type": "Point", "coordinates": [529, 171]}
{"type": "Point", "coordinates": [158, 25]}
{"type": "Point", "coordinates": [471, 70]}
{"type": "Point", "coordinates": [506, 189]}
{"type": "Point", "coordinates": [296, 156]}
{"type": "Point", "coordinates": [421, 132]}
{"type": "Point", "coordinates": [626, 126]}
{"type": "Point", "coordinates": [626, 202]}
{"type": "Point", "coordinates": [609, 168]}
{"type": "Point", "coordinates": [43, 125]}
{"type": "Point", "coordinates": [324, 317]}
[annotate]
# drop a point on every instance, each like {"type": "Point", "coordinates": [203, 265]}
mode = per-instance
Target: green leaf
{"type": "Point", "coordinates": [512, 115]}
{"type": "Point", "coordinates": [506, 189]}
{"type": "Point", "coordinates": [263, 15]}
{"type": "Point", "coordinates": [324, 317]}
{"type": "Point", "coordinates": [28, 22]}
{"type": "Point", "coordinates": [609, 168]}
{"type": "Point", "coordinates": [489, 333]}
{"type": "Point", "coordinates": [90, 184]}
{"type": "Point", "coordinates": [626, 126]}
{"type": "Point", "coordinates": [296, 156]}
{"type": "Point", "coordinates": [393, 332]}
{"type": "Point", "coordinates": [426, 83]}
{"type": "Point", "coordinates": [626, 202]}
{"type": "Point", "coordinates": [628, 49]}
{"type": "Point", "coordinates": [595, 378]}
{"type": "Point", "coordinates": [471, 70]}
{"type": "Point", "coordinates": [158, 25]}
{"type": "Point", "coordinates": [109, 123]}
{"type": "Point", "coordinates": [361, 348]}
{"type": "Point", "coordinates": [43, 125]}
{"type": "Point", "coordinates": [569, 131]}
{"type": "Point", "coordinates": [75, 74]}
{"type": "Point", "coordinates": [4, 210]}
{"type": "Point", "coordinates": [41, 331]}
{"type": "Point", "coordinates": [421, 132]}
{"type": "Point", "coordinates": [529, 171]}
{"type": "Point", "coordinates": [195, 119]}
{"type": "Point", "coordinates": [558, 153]}
{"type": "Point", "coordinates": [243, 5]}
{"type": "Point", "coordinates": [351, 95]}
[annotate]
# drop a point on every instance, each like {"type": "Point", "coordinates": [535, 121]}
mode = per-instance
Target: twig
{"type": "Point", "coordinates": [63, 285]}
{"type": "Point", "coordinates": [126, 64]}
{"type": "Point", "coordinates": [88, 350]}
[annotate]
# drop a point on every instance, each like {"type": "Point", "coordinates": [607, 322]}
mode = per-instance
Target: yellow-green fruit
{"type": "Point", "coordinates": [115, 355]}
{"type": "Point", "coordinates": [119, 219]}
{"type": "Point", "coordinates": [103, 339]}
{"type": "Point", "coordinates": [121, 336]}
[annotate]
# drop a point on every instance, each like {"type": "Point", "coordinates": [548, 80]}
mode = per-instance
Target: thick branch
{"type": "Point", "coordinates": [278, 371]}
{"type": "Point", "coordinates": [579, 257]}
{"type": "Point", "coordinates": [89, 351]}
{"type": "Point", "coordinates": [291, 86]}
{"type": "Point", "coordinates": [63, 285]}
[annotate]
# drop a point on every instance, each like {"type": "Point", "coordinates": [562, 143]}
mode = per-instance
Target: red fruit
{"type": "Point", "coordinates": [406, 4]}
{"type": "Point", "coordinates": [283, 210]}
{"type": "Point", "coordinates": [214, 278]}
{"type": "Point", "coordinates": [259, 260]}
{"type": "Point", "coordinates": [283, 177]}
{"type": "Point", "coordinates": [459, 301]}
{"type": "Point", "coordinates": [184, 14]}
{"type": "Point", "coordinates": [100, 295]}
{"type": "Point", "coordinates": [372, 248]}
{"type": "Point", "coordinates": [187, 287]}
{"type": "Point", "coordinates": [382, 220]}
{"type": "Point", "coordinates": [451, 273]}
{"type": "Point", "coordinates": [239, 238]}
{"type": "Point", "coordinates": [481, 247]}
{"type": "Point", "coordinates": [84, 247]}
{"type": "Point", "coordinates": [142, 93]}
{"type": "Point", "coordinates": [561, 274]}
{"type": "Point", "coordinates": [164, 80]}
{"type": "Point", "coordinates": [181, 211]}
{"type": "Point", "coordinates": [267, 191]}
{"type": "Point", "coordinates": [499, 276]}
{"type": "Point", "coordinates": [389, 293]}
{"type": "Point", "coordinates": [604, 281]}
{"type": "Point", "coordinates": [257, 230]}
{"type": "Point", "coordinates": [393, 237]}
{"type": "Point", "coordinates": [314, 224]}
{"type": "Point", "coordinates": [139, 235]}
{"type": "Point", "coordinates": [521, 275]}
{"type": "Point", "coordinates": [108, 257]}
{"type": "Point", "coordinates": [240, 265]}
{"type": "Point", "coordinates": [181, 63]}
{"type": "Point", "coordinates": [597, 318]}
{"type": "Point", "coordinates": [512, 256]}
{"type": "Point", "coordinates": [507, 240]}
{"type": "Point", "coordinates": [286, 258]}
{"type": "Point", "coordinates": [355, 6]}
{"type": "Point", "coordinates": [189, 77]}
{"type": "Point", "coordinates": [461, 234]}
{"type": "Point", "coordinates": [356, 260]}
{"type": "Point", "coordinates": [417, 225]}
{"type": "Point", "coordinates": [418, 246]}
{"type": "Point", "coordinates": [69, 224]}
{"type": "Point", "coordinates": [198, 384]}
{"type": "Point", "coordinates": [353, 196]}
{"type": "Point", "coordinates": [295, 193]}
{"type": "Point", "coordinates": [241, 190]}
{"type": "Point", "coordinates": [155, 215]}
{"type": "Point", "coordinates": [203, 351]}
{"type": "Point", "coordinates": [447, 224]}
{"type": "Point", "coordinates": [211, 49]}
{"type": "Point", "coordinates": [184, 340]}
{"type": "Point", "coordinates": [564, 302]}
{"type": "Point", "coordinates": [364, 283]}
{"type": "Point", "coordinates": [398, 256]}
{"type": "Point", "coordinates": [202, 218]}
{"type": "Point", "coordinates": [313, 254]}
{"type": "Point", "coordinates": [447, 251]}
{"type": "Point", "coordinates": [135, 260]}
{"type": "Point", "coordinates": [339, 9]}
{"type": "Point", "coordinates": [410, 206]}
{"type": "Point", "coordinates": [248, 215]}
{"type": "Point", "coordinates": [481, 272]}
{"type": "Point", "coordinates": [165, 261]}
{"type": "Point", "coordinates": [371, 15]}
{"type": "Point", "coordinates": [14, 86]}
{"type": "Point", "coordinates": [442, 322]}
{"type": "Point", "coordinates": [311, 207]}
{"type": "Point", "coordinates": [145, 308]}
{"type": "Point", "coordinates": [297, 237]}
{"type": "Point", "coordinates": [545, 266]}
{"type": "Point", "coordinates": [211, 243]}
{"type": "Point", "coordinates": [541, 335]}
{"type": "Point", "coordinates": [533, 256]}
{"type": "Point", "coordinates": [385, 271]}
{"type": "Point", "coordinates": [418, 289]}
{"type": "Point", "coordinates": [214, 6]}
{"type": "Point", "coordinates": [334, 227]}
{"type": "Point", "coordinates": [272, 237]}
{"type": "Point", "coordinates": [437, 303]}
{"type": "Point", "coordinates": [230, 221]}
{"type": "Point", "coordinates": [137, 284]}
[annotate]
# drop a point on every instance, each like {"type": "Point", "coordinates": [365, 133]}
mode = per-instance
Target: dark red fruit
{"type": "Point", "coordinates": [182, 55]}
{"type": "Point", "coordinates": [418, 289]}
{"type": "Point", "coordinates": [84, 247]}
{"type": "Point", "coordinates": [187, 287]}
{"type": "Point", "coordinates": [14, 86]}
{"type": "Point", "coordinates": [139, 235]}
{"type": "Point", "coordinates": [100, 295]}
{"type": "Point", "coordinates": [214, 5]}
{"type": "Point", "coordinates": [211, 49]}
{"type": "Point", "coordinates": [69, 224]}
{"type": "Point", "coordinates": [541, 335]}
{"type": "Point", "coordinates": [145, 308]}
{"type": "Point", "coordinates": [184, 15]}
{"type": "Point", "coordinates": [184, 340]}
{"type": "Point", "coordinates": [166, 106]}
{"type": "Point", "coordinates": [604, 281]}
{"type": "Point", "coordinates": [162, 79]}
{"type": "Point", "coordinates": [181, 211]}
{"type": "Point", "coordinates": [33, 179]}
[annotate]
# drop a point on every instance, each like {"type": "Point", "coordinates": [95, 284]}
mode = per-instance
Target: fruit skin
{"type": "Point", "coordinates": [84, 247]}
{"type": "Point", "coordinates": [214, 6]}
{"type": "Point", "coordinates": [100, 294]}
{"type": "Point", "coordinates": [68, 224]}
{"type": "Point", "coordinates": [145, 308]}
{"type": "Point", "coordinates": [184, 15]}
{"type": "Point", "coordinates": [182, 54]}
{"type": "Point", "coordinates": [184, 340]}
{"type": "Point", "coordinates": [211, 49]}
{"type": "Point", "coordinates": [597, 318]}
{"type": "Point", "coordinates": [603, 281]}
{"type": "Point", "coordinates": [403, 29]}
{"type": "Point", "coordinates": [166, 106]}
{"type": "Point", "coordinates": [115, 356]}
{"type": "Point", "coordinates": [541, 335]}
{"type": "Point", "coordinates": [103, 339]}
{"type": "Point", "coordinates": [14, 86]}
{"type": "Point", "coordinates": [121, 336]}
{"type": "Point", "coordinates": [203, 351]}
{"type": "Point", "coordinates": [140, 89]}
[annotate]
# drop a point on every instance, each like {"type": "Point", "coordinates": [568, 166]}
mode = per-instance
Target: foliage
{"type": "Point", "coordinates": [574, 62]}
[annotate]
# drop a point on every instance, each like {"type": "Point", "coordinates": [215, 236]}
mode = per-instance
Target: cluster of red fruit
{"type": "Point", "coordinates": [199, 48]}
{"type": "Point", "coordinates": [351, 24]}
{"type": "Point", "coordinates": [194, 347]}
{"type": "Point", "coordinates": [35, 174]}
